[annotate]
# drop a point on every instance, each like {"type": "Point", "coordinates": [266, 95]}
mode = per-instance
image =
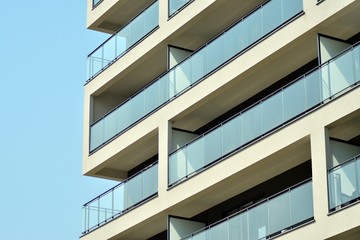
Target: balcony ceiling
{"type": "Point", "coordinates": [118, 15]}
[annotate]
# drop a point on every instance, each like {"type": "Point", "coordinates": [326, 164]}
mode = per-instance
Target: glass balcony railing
{"type": "Point", "coordinates": [344, 183]}
{"type": "Point", "coordinates": [119, 43]}
{"type": "Point", "coordinates": [266, 219]}
{"type": "Point", "coordinates": [329, 80]}
{"type": "Point", "coordinates": [175, 5]}
{"type": "Point", "coordinates": [96, 2]}
{"type": "Point", "coordinates": [121, 198]}
{"type": "Point", "coordinates": [261, 22]}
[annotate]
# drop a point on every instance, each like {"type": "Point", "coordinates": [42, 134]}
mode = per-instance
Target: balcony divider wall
{"type": "Point", "coordinates": [120, 199]}
{"type": "Point", "coordinates": [344, 183]}
{"type": "Point", "coordinates": [258, 24]}
{"type": "Point", "coordinates": [268, 218]}
{"type": "Point", "coordinates": [123, 40]}
{"type": "Point", "coordinates": [331, 79]}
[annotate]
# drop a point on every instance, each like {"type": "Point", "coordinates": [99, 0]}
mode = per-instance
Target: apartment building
{"type": "Point", "coordinates": [224, 119]}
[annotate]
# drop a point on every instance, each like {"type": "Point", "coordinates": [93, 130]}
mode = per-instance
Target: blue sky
{"type": "Point", "coordinates": [43, 46]}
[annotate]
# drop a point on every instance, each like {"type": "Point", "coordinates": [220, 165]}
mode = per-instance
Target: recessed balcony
{"type": "Point", "coordinates": [344, 183]}
{"type": "Point", "coordinates": [245, 33]}
{"type": "Point", "coordinates": [272, 216]}
{"type": "Point", "coordinates": [123, 40]}
{"type": "Point", "coordinates": [314, 89]}
{"type": "Point", "coordinates": [120, 199]}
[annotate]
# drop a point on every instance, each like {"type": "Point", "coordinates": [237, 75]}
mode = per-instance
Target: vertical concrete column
{"type": "Point", "coordinates": [88, 118]}
{"type": "Point", "coordinates": [163, 12]}
{"type": "Point", "coordinates": [319, 154]}
{"type": "Point", "coordinates": [164, 148]}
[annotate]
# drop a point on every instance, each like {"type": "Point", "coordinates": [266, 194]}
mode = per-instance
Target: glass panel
{"type": "Point", "coordinates": [343, 184]}
{"type": "Point", "coordinates": [110, 125]}
{"type": "Point", "coordinates": [325, 82]}
{"type": "Point", "coordinates": [136, 30]}
{"type": "Point", "coordinates": [251, 124]}
{"type": "Point", "coordinates": [215, 54]}
{"type": "Point", "coordinates": [231, 135]}
{"type": "Point", "coordinates": [122, 41]}
{"type": "Point", "coordinates": [358, 177]}
{"type": "Point", "coordinates": [219, 231]}
{"type": "Point", "coordinates": [258, 221]}
{"type": "Point", "coordinates": [177, 166]}
{"type": "Point", "coordinates": [341, 73]}
{"type": "Point", "coordinates": [238, 227]}
{"type": "Point", "coordinates": [109, 50]}
{"type": "Point", "coordinates": [251, 28]}
{"type": "Point", "coordinates": [291, 8]}
{"type": "Point", "coordinates": [175, 5]}
{"type": "Point", "coordinates": [271, 16]}
{"type": "Point", "coordinates": [106, 206]}
{"type": "Point", "coordinates": [119, 199]}
{"type": "Point", "coordinates": [137, 106]}
{"type": "Point", "coordinates": [95, 62]}
{"type": "Point", "coordinates": [151, 16]}
{"type": "Point", "coordinates": [232, 41]}
{"type": "Point", "coordinates": [182, 76]}
{"type": "Point", "coordinates": [356, 52]}
{"type": "Point", "coordinates": [279, 212]}
{"type": "Point", "coordinates": [200, 236]}
{"type": "Point", "coordinates": [313, 89]}
{"type": "Point", "coordinates": [301, 203]}
{"type": "Point", "coordinates": [93, 214]}
{"type": "Point", "coordinates": [133, 191]}
{"type": "Point", "coordinates": [97, 135]}
{"type": "Point", "coordinates": [150, 181]}
{"type": "Point", "coordinates": [124, 116]}
{"type": "Point", "coordinates": [152, 97]}
{"type": "Point", "coordinates": [198, 65]}
{"type": "Point", "coordinates": [272, 112]}
{"type": "Point", "coordinates": [195, 156]}
{"type": "Point", "coordinates": [213, 145]}
{"type": "Point", "coordinates": [294, 100]}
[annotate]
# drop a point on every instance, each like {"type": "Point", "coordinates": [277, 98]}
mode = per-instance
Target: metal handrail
{"type": "Point", "coordinates": [186, 58]}
{"type": "Point", "coordinates": [266, 97]}
{"type": "Point", "coordinates": [118, 185]}
{"type": "Point", "coordinates": [344, 163]}
{"type": "Point", "coordinates": [251, 206]}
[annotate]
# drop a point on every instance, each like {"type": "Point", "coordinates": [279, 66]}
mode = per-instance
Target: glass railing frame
{"type": "Point", "coordinates": [258, 203]}
{"type": "Point", "coordinates": [179, 9]}
{"type": "Point", "coordinates": [125, 210]}
{"type": "Point", "coordinates": [128, 49]}
{"type": "Point", "coordinates": [196, 82]}
{"type": "Point", "coordinates": [348, 203]}
{"type": "Point", "coordinates": [96, 4]}
{"type": "Point", "coordinates": [317, 106]}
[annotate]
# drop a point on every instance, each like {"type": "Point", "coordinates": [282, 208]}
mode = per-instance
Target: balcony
{"type": "Point", "coordinates": [121, 198]}
{"type": "Point", "coordinates": [257, 25]}
{"type": "Point", "coordinates": [270, 217]}
{"type": "Point", "coordinates": [331, 79]}
{"type": "Point", "coordinates": [344, 184]}
{"type": "Point", "coordinates": [176, 5]}
{"type": "Point", "coordinates": [123, 40]}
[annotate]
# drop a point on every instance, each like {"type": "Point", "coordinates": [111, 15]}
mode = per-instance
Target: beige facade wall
{"type": "Point", "coordinates": [262, 65]}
